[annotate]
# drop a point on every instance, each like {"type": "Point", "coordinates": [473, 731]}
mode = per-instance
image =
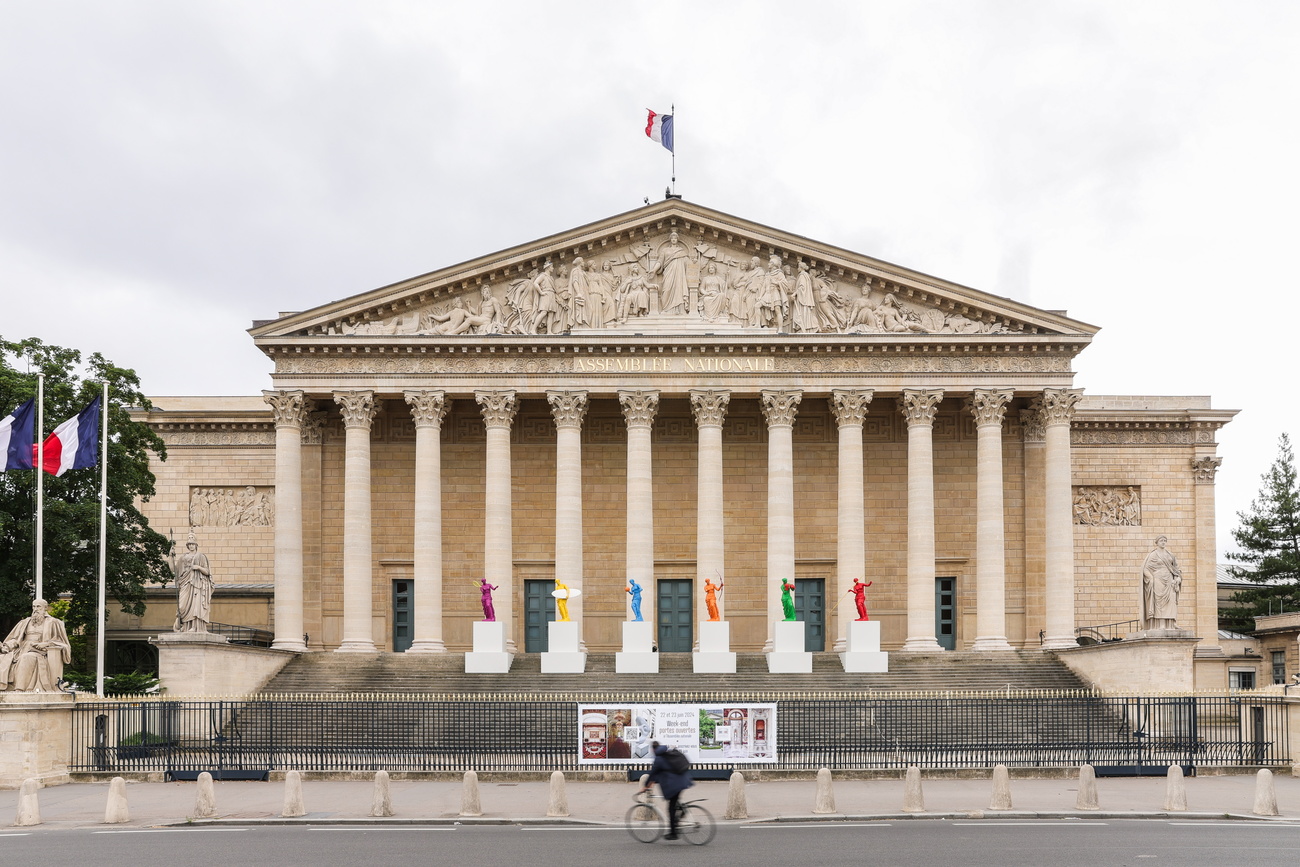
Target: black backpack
{"type": "Point", "coordinates": [677, 761]}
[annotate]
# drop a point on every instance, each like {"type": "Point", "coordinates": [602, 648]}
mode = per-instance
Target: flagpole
{"type": "Point", "coordinates": [672, 108]}
{"type": "Point", "coordinates": [103, 544]}
{"type": "Point", "coordinates": [40, 486]}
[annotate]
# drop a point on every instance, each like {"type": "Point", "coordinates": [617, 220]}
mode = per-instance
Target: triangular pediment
{"type": "Point", "coordinates": [673, 267]}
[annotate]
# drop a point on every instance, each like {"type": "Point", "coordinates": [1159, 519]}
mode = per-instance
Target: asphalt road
{"type": "Point", "coordinates": [923, 843]}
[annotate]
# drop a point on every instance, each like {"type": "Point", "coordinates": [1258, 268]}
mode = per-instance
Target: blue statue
{"type": "Point", "coordinates": [635, 589]}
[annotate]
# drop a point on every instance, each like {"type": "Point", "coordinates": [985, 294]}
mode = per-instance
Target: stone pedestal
{"type": "Point", "coordinates": [489, 655]}
{"type": "Point", "coordinates": [563, 656]}
{"type": "Point", "coordinates": [35, 737]}
{"type": "Point", "coordinates": [863, 649]}
{"type": "Point", "coordinates": [715, 655]}
{"type": "Point", "coordinates": [637, 656]}
{"type": "Point", "coordinates": [788, 655]}
{"type": "Point", "coordinates": [202, 664]}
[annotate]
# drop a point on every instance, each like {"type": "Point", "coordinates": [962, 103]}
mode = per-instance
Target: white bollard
{"type": "Point", "coordinates": [825, 796]}
{"type": "Point", "coordinates": [1001, 799]}
{"type": "Point", "coordinates": [913, 797]}
{"type": "Point", "coordinates": [29, 804]}
{"type": "Point", "coordinates": [1175, 790]}
{"type": "Point", "coordinates": [558, 804]}
{"type": "Point", "coordinates": [293, 803]}
{"type": "Point", "coordinates": [1265, 794]}
{"type": "Point", "coordinates": [381, 800]}
{"type": "Point", "coordinates": [116, 812]}
{"type": "Point", "coordinates": [1087, 799]}
{"type": "Point", "coordinates": [205, 802]}
{"type": "Point", "coordinates": [470, 805]}
{"type": "Point", "coordinates": [737, 808]}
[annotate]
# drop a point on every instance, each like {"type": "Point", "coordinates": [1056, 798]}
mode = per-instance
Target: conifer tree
{"type": "Point", "coordinates": [1269, 540]}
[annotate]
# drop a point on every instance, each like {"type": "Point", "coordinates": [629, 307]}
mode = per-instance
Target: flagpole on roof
{"type": "Point", "coordinates": [40, 486]}
{"type": "Point", "coordinates": [672, 109]}
{"type": "Point", "coordinates": [103, 543]}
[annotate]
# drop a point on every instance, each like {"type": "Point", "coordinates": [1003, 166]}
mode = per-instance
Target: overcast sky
{"type": "Point", "coordinates": [171, 171]}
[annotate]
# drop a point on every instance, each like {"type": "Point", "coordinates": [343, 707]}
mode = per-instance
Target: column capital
{"type": "Point", "coordinates": [1057, 405]}
{"type": "Point", "coordinates": [428, 407]}
{"type": "Point", "coordinates": [498, 407]}
{"type": "Point", "coordinates": [568, 407]}
{"type": "Point", "coordinates": [1203, 469]}
{"type": "Point", "coordinates": [313, 429]}
{"type": "Point", "coordinates": [1031, 422]}
{"type": "Point", "coordinates": [288, 408]}
{"type": "Point", "coordinates": [709, 406]}
{"type": "Point", "coordinates": [780, 406]}
{"type": "Point", "coordinates": [639, 407]}
{"type": "Point", "coordinates": [359, 408]}
{"type": "Point", "coordinates": [989, 405]}
{"type": "Point", "coordinates": [850, 405]}
{"type": "Point", "coordinates": [919, 405]}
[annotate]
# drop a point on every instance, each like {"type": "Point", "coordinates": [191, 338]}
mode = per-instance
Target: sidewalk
{"type": "Point", "coordinates": [80, 805]}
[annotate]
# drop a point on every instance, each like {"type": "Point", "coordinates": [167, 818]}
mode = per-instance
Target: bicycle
{"type": "Point", "coordinates": [647, 823]}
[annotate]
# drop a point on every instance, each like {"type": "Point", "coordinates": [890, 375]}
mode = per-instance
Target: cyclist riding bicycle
{"type": "Point", "coordinates": [671, 783]}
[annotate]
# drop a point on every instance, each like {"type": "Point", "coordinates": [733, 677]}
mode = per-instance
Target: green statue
{"type": "Point", "coordinates": [787, 599]}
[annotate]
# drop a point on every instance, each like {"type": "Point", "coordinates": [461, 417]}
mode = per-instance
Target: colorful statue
{"type": "Point", "coordinates": [635, 590]}
{"type": "Point", "coordinates": [787, 600]}
{"type": "Point", "coordinates": [711, 592]}
{"type": "Point", "coordinates": [489, 612]}
{"type": "Point", "coordinates": [859, 592]}
{"type": "Point", "coordinates": [561, 594]}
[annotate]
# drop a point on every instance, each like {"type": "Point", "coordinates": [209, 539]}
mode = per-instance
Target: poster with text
{"type": "Point", "coordinates": [707, 733]}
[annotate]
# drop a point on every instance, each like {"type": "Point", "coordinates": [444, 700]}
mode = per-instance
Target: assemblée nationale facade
{"type": "Point", "coordinates": [675, 394]}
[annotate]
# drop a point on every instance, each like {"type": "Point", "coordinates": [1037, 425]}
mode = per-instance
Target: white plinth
{"type": "Point", "coordinates": [637, 656]}
{"type": "Point", "coordinates": [714, 655]}
{"type": "Point", "coordinates": [562, 655]}
{"type": "Point", "coordinates": [489, 655]}
{"type": "Point", "coordinates": [864, 655]}
{"type": "Point", "coordinates": [788, 655]}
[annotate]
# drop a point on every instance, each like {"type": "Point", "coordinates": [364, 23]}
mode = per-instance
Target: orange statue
{"type": "Point", "coordinates": [711, 592]}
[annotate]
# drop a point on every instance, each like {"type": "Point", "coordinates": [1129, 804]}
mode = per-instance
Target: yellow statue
{"type": "Point", "coordinates": [561, 595]}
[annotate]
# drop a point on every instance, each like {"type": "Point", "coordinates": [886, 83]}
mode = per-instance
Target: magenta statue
{"type": "Point", "coordinates": [859, 592]}
{"type": "Point", "coordinates": [489, 612]}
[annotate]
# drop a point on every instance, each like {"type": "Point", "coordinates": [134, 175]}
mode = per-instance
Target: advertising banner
{"type": "Point", "coordinates": [706, 733]}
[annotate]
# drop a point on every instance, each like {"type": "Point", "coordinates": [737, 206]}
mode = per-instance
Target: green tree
{"type": "Point", "coordinates": [1269, 539]}
{"type": "Point", "coordinates": [136, 553]}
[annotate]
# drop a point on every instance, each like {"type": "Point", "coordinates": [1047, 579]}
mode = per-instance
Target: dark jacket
{"type": "Point", "coordinates": [669, 783]}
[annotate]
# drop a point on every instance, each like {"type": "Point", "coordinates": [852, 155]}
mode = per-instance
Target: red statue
{"type": "Point", "coordinates": [859, 592]}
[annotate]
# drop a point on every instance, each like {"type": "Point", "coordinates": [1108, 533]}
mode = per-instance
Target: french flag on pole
{"type": "Point", "coordinates": [660, 128]}
{"type": "Point", "coordinates": [75, 443]}
{"type": "Point", "coordinates": [16, 437]}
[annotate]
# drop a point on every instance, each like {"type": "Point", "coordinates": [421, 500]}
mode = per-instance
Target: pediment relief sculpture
{"type": "Point", "coordinates": [671, 281]}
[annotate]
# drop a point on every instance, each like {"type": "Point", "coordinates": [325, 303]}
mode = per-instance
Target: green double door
{"type": "Point", "coordinates": [675, 615]}
{"type": "Point", "coordinates": [810, 604]}
{"type": "Point", "coordinates": [539, 610]}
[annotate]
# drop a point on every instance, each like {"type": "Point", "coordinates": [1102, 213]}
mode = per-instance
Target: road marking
{"type": "Point", "coordinates": [815, 825]}
{"type": "Point", "coordinates": [387, 828]}
{"type": "Point", "coordinates": [1244, 823]}
{"type": "Point", "coordinates": [1033, 822]}
{"type": "Point", "coordinates": [168, 830]}
{"type": "Point", "coordinates": [23, 834]}
{"type": "Point", "coordinates": [568, 828]}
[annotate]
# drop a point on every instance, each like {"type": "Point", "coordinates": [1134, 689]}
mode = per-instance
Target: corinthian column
{"type": "Point", "coordinates": [289, 409]}
{"type": "Point", "coordinates": [779, 408]}
{"type": "Point", "coordinates": [710, 408]}
{"type": "Point", "coordinates": [428, 408]}
{"type": "Point", "coordinates": [359, 409]}
{"type": "Point", "coordinates": [989, 406]}
{"type": "Point", "coordinates": [498, 408]}
{"type": "Point", "coordinates": [569, 408]}
{"type": "Point", "coordinates": [919, 406]}
{"type": "Point", "coordinates": [1204, 468]}
{"type": "Point", "coordinates": [639, 408]}
{"type": "Point", "coordinates": [850, 408]}
{"type": "Point", "coordinates": [1057, 407]}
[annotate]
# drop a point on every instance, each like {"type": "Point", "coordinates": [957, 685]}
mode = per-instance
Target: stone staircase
{"type": "Point", "coordinates": [443, 674]}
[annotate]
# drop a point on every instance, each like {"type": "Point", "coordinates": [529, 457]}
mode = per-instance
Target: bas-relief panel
{"type": "Point", "coordinates": [253, 437]}
{"type": "Point", "coordinates": [1108, 505]}
{"type": "Point", "coordinates": [249, 506]}
{"type": "Point", "coordinates": [1171, 436]}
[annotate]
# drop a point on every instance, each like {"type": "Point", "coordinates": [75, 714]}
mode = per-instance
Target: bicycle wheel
{"type": "Point", "coordinates": [644, 823]}
{"type": "Point", "coordinates": [696, 825]}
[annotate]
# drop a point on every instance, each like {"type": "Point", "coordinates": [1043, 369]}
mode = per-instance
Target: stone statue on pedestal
{"type": "Point", "coordinates": [194, 590]}
{"type": "Point", "coordinates": [1162, 581]}
{"type": "Point", "coordinates": [32, 656]}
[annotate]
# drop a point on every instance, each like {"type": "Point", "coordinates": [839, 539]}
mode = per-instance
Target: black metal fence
{"type": "Point", "coordinates": [846, 732]}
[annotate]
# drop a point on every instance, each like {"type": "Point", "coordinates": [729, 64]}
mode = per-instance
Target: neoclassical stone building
{"type": "Point", "coordinates": [673, 394]}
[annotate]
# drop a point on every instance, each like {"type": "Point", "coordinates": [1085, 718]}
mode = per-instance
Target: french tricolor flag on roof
{"type": "Point", "coordinates": [660, 128]}
{"type": "Point", "coordinates": [75, 443]}
{"type": "Point", "coordinates": [16, 437]}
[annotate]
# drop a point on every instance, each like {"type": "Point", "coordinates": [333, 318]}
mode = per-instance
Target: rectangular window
{"type": "Point", "coordinates": [1241, 678]}
{"type": "Point", "coordinates": [1279, 666]}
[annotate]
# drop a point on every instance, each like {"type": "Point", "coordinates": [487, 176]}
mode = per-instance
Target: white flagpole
{"type": "Point", "coordinates": [40, 486]}
{"type": "Point", "coordinates": [103, 542]}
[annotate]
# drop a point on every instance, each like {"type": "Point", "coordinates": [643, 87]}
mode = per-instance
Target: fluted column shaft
{"type": "Point", "coordinates": [779, 408]}
{"type": "Point", "coordinates": [359, 409]}
{"type": "Point", "coordinates": [850, 408]}
{"type": "Point", "coordinates": [1204, 468]}
{"type": "Point", "coordinates": [989, 406]}
{"type": "Point", "coordinates": [498, 408]}
{"type": "Point", "coordinates": [569, 408]}
{"type": "Point", "coordinates": [289, 409]}
{"type": "Point", "coordinates": [639, 408]}
{"type": "Point", "coordinates": [919, 407]}
{"type": "Point", "coordinates": [428, 408]}
{"type": "Point", "coordinates": [710, 409]}
{"type": "Point", "coordinates": [1057, 406]}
